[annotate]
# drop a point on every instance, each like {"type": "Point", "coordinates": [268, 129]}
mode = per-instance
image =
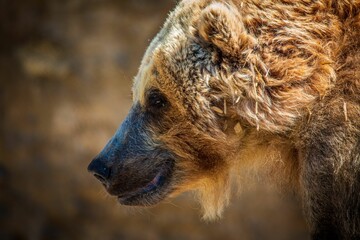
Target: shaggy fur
{"type": "Point", "coordinates": [250, 84]}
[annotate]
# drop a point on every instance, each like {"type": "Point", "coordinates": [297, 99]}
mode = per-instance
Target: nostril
{"type": "Point", "coordinates": [100, 178]}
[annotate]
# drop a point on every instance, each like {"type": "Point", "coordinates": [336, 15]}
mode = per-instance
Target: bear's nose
{"type": "Point", "coordinates": [100, 170]}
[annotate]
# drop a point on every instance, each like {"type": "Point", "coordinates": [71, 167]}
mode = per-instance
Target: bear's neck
{"type": "Point", "coordinates": [272, 156]}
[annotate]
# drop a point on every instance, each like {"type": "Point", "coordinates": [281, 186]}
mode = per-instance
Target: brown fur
{"type": "Point", "coordinates": [262, 84]}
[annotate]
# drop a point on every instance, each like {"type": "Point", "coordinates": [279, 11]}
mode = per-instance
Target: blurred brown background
{"type": "Point", "coordinates": [65, 77]}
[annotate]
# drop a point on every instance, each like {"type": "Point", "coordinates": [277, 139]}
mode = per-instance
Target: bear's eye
{"type": "Point", "coordinates": [156, 100]}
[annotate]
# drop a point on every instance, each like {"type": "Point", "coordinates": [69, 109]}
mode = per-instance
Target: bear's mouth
{"type": "Point", "coordinates": [152, 192]}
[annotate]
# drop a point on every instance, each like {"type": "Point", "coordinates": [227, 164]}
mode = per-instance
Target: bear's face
{"type": "Point", "coordinates": [172, 139]}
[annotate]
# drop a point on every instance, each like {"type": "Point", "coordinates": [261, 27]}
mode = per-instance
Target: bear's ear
{"type": "Point", "coordinates": [222, 26]}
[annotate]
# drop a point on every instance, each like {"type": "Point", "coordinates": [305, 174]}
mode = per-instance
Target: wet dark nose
{"type": "Point", "coordinates": [100, 170]}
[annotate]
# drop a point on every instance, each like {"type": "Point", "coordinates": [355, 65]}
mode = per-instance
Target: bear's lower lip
{"type": "Point", "coordinates": [151, 193]}
{"type": "Point", "coordinates": [156, 182]}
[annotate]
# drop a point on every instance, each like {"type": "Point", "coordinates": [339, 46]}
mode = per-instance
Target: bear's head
{"type": "Point", "coordinates": [200, 92]}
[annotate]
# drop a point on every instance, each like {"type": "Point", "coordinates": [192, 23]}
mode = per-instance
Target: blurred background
{"type": "Point", "coordinates": [66, 69]}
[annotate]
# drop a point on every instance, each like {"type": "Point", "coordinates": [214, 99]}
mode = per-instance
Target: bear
{"type": "Point", "coordinates": [268, 85]}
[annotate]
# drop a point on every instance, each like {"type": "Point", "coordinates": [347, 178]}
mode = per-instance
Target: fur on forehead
{"type": "Point", "coordinates": [193, 21]}
{"type": "Point", "coordinates": [174, 33]}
